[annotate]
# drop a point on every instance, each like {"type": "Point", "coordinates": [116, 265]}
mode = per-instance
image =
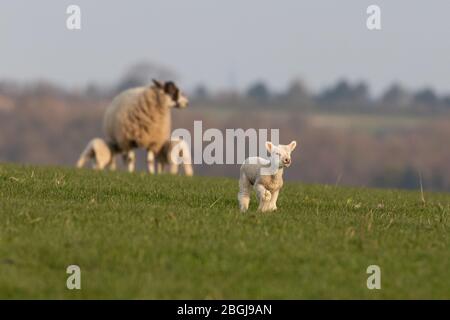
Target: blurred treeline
{"type": "Point", "coordinates": [346, 136]}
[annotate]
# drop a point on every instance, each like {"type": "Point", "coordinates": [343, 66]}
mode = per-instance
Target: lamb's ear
{"type": "Point", "coordinates": [269, 146]}
{"type": "Point", "coordinates": [157, 83]}
{"type": "Point", "coordinates": [292, 145]}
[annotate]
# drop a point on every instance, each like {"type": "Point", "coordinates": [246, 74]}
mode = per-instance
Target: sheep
{"type": "Point", "coordinates": [140, 117]}
{"type": "Point", "coordinates": [173, 153]}
{"type": "Point", "coordinates": [266, 177]}
{"type": "Point", "coordinates": [99, 151]}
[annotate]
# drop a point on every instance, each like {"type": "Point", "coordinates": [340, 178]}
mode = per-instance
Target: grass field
{"type": "Point", "coordinates": [141, 236]}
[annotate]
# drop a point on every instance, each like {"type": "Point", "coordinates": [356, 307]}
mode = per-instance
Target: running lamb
{"type": "Point", "coordinates": [266, 177]}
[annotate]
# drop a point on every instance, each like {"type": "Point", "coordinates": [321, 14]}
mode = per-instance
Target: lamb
{"type": "Point", "coordinates": [266, 177]}
{"type": "Point", "coordinates": [99, 151]}
{"type": "Point", "coordinates": [173, 153]}
{"type": "Point", "coordinates": [140, 117]}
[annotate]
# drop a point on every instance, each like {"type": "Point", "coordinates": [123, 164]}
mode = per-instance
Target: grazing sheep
{"type": "Point", "coordinates": [99, 151]}
{"type": "Point", "coordinates": [140, 117]}
{"type": "Point", "coordinates": [173, 153]}
{"type": "Point", "coordinates": [266, 177]}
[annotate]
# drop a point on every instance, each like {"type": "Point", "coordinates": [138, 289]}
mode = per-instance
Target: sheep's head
{"type": "Point", "coordinates": [178, 99]}
{"type": "Point", "coordinates": [281, 154]}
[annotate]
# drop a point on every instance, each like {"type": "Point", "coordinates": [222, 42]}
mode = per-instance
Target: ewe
{"type": "Point", "coordinates": [140, 117]}
{"type": "Point", "coordinates": [98, 151]}
{"type": "Point", "coordinates": [266, 177]}
{"type": "Point", "coordinates": [173, 153]}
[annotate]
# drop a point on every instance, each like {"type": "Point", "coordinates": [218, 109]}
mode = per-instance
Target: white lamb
{"type": "Point", "coordinates": [266, 177]}
{"type": "Point", "coordinates": [98, 151]}
{"type": "Point", "coordinates": [173, 153]}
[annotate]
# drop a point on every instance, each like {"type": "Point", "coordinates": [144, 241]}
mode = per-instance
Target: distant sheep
{"type": "Point", "coordinates": [173, 153]}
{"type": "Point", "coordinates": [140, 118]}
{"type": "Point", "coordinates": [267, 186]}
{"type": "Point", "coordinates": [99, 152]}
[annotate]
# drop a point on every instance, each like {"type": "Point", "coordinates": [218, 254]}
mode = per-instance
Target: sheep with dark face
{"type": "Point", "coordinates": [140, 118]}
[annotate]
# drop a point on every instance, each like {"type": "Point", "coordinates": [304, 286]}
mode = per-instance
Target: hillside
{"type": "Point", "coordinates": [375, 149]}
{"type": "Point", "coordinates": [141, 236]}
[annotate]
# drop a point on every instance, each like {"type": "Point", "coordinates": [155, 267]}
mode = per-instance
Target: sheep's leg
{"type": "Point", "coordinates": [151, 162]}
{"type": "Point", "coordinates": [244, 193]}
{"type": "Point", "coordinates": [273, 201]}
{"type": "Point", "coordinates": [264, 197]}
{"type": "Point", "coordinates": [130, 159]}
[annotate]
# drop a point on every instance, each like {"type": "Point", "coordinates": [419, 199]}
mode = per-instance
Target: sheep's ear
{"type": "Point", "coordinates": [172, 90]}
{"type": "Point", "coordinates": [157, 83]}
{"type": "Point", "coordinates": [292, 145]}
{"type": "Point", "coordinates": [269, 146]}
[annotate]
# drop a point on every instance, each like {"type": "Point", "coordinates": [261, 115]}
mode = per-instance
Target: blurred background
{"type": "Point", "coordinates": [369, 108]}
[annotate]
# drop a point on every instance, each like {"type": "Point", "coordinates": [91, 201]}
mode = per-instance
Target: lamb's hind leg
{"type": "Point", "coordinates": [85, 156]}
{"type": "Point", "coordinates": [264, 197]}
{"type": "Point", "coordinates": [102, 159]}
{"type": "Point", "coordinates": [113, 164]}
{"type": "Point", "coordinates": [82, 160]}
{"type": "Point", "coordinates": [244, 193]}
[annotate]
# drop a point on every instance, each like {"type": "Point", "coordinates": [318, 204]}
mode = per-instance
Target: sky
{"type": "Point", "coordinates": [229, 44]}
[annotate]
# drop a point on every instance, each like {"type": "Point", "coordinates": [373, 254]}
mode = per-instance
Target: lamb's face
{"type": "Point", "coordinates": [178, 99]}
{"type": "Point", "coordinates": [281, 154]}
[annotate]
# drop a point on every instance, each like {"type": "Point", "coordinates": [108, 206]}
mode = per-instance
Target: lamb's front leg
{"type": "Point", "coordinates": [244, 193]}
{"type": "Point", "coordinates": [273, 200]}
{"type": "Point", "coordinates": [264, 197]}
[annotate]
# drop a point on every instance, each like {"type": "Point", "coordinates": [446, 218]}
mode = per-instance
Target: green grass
{"type": "Point", "coordinates": [141, 236]}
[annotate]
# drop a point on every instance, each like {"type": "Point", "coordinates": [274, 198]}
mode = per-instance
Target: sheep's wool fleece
{"type": "Point", "coordinates": [138, 117]}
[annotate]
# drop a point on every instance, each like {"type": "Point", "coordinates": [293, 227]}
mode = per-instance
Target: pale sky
{"type": "Point", "coordinates": [234, 41]}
